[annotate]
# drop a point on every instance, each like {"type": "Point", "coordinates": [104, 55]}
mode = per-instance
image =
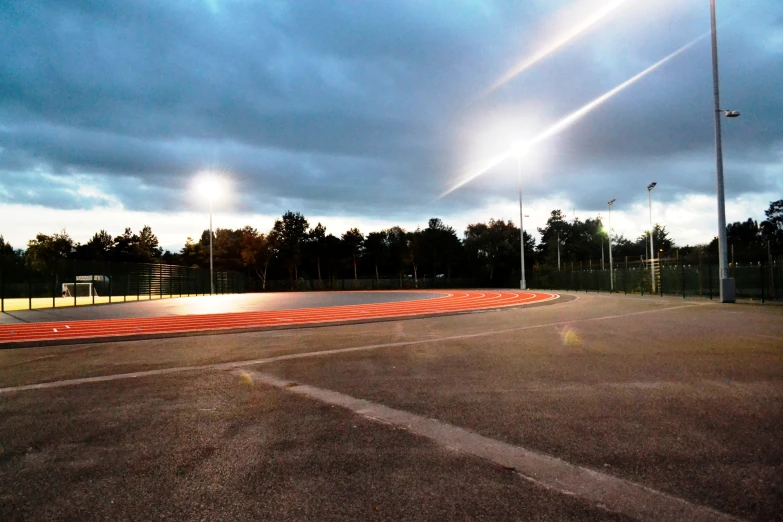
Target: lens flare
{"type": "Point", "coordinates": [556, 44]}
{"type": "Point", "coordinates": [569, 336]}
{"type": "Point", "coordinates": [566, 122]}
{"type": "Point", "coordinates": [245, 378]}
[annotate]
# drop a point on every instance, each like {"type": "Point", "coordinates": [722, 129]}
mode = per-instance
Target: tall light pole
{"type": "Point", "coordinates": [727, 288]}
{"type": "Point", "coordinates": [210, 188]}
{"type": "Point", "coordinates": [652, 250]}
{"type": "Point", "coordinates": [611, 269]}
{"type": "Point", "coordinates": [211, 270]}
{"type": "Point", "coordinates": [522, 282]}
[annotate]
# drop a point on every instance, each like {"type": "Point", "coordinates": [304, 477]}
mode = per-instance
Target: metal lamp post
{"type": "Point", "coordinates": [210, 187]}
{"type": "Point", "coordinates": [611, 269]}
{"type": "Point", "coordinates": [652, 249]}
{"type": "Point", "coordinates": [727, 288]}
{"type": "Point", "coordinates": [522, 282]}
{"type": "Point", "coordinates": [211, 273]}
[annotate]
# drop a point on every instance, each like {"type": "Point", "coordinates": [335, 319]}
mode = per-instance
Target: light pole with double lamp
{"type": "Point", "coordinates": [611, 269]}
{"type": "Point", "coordinates": [727, 288]}
{"type": "Point", "coordinates": [652, 250]}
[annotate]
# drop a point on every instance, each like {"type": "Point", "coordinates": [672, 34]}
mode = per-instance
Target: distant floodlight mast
{"type": "Point", "coordinates": [522, 283]}
{"type": "Point", "coordinates": [728, 292]}
{"type": "Point", "coordinates": [652, 251]}
{"type": "Point", "coordinates": [210, 187]}
{"type": "Point", "coordinates": [611, 270]}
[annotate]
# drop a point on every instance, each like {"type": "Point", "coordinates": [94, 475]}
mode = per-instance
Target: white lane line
{"type": "Point", "coordinates": [615, 494]}
{"type": "Point", "coordinates": [267, 360]}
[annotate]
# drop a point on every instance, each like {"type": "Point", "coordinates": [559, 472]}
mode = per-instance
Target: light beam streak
{"type": "Point", "coordinates": [569, 120]}
{"type": "Point", "coordinates": [559, 42]}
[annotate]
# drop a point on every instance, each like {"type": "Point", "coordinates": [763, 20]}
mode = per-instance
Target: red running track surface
{"type": "Point", "coordinates": [130, 328]}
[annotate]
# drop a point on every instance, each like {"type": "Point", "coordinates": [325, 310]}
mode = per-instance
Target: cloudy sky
{"type": "Point", "coordinates": [363, 113]}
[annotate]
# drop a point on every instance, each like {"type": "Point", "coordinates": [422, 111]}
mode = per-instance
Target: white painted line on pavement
{"type": "Point", "coordinates": [614, 494]}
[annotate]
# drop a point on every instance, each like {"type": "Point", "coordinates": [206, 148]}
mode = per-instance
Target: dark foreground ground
{"type": "Point", "coordinates": [683, 398]}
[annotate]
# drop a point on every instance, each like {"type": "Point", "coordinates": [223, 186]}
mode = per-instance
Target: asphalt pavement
{"type": "Point", "coordinates": [684, 399]}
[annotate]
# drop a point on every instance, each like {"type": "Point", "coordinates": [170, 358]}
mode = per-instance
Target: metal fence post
{"type": "Point", "coordinates": [709, 270]}
{"type": "Point", "coordinates": [682, 283]}
{"type": "Point", "coordinates": [2, 290]}
{"type": "Point", "coordinates": [92, 279]}
{"type": "Point", "coordinates": [54, 289]}
{"type": "Point", "coordinates": [74, 286]}
{"type": "Point", "coordinates": [111, 279]}
{"type": "Point", "coordinates": [761, 269]}
{"type": "Point", "coordinates": [29, 292]}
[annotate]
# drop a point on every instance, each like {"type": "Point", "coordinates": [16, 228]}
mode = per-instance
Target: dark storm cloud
{"type": "Point", "coordinates": [357, 107]}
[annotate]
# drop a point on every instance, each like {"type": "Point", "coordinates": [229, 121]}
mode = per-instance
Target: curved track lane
{"type": "Point", "coordinates": [139, 328]}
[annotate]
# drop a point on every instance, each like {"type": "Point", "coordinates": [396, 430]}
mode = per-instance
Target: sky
{"type": "Point", "coordinates": [367, 113]}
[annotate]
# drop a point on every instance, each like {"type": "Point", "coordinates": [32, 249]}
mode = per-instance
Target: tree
{"type": "Point", "coordinates": [227, 249]}
{"type": "Point", "coordinates": [98, 248]}
{"type": "Point", "coordinates": [46, 253]}
{"type": "Point", "coordinates": [315, 245]}
{"type": "Point", "coordinates": [623, 247]}
{"type": "Point", "coordinates": [376, 248]}
{"type": "Point", "coordinates": [353, 240]}
{"type": "Point", "coordinates": [397, 247]}
{"type": "Point", "coordinates": [333, 252]}
{"type": "Point", "coordinates": [9, 257]}
{"type": "Point", "coordinates": [137, 248]}
{"type": "Point", "coordinates": [745, 236]}
{"type": "Point", "coordinates": [661, 241]}
{"type": "Point", "coordinates": [440, 246]}
{"type": "Point", "coordinates": [290, 233]}
{"type": "Point", "coordinates": [493, 246]}
{"type": "Point", "coordinates": [124, 248]}
{"type": "Point", "coordinates": [193, 254]}
{"type": "Point", "coordinates": [257, 251]}
{"type": "Point", "coordinates": [570, 237]}
{"type": "Point", "coordinates": [6, 250]}
{"type": "Point", "coordinates": [147, 248]}
{"type": "Point", "coordinates": [414, 242]}
{"type": "Point", "coordinates": [772, 227]}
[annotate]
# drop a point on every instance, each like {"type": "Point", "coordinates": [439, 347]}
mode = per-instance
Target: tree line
{"type": "Point", "coordinates": [293, 249]}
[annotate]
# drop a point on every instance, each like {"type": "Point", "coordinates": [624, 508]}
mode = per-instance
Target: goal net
{"type": "Point", "coordinates": [81, 290]}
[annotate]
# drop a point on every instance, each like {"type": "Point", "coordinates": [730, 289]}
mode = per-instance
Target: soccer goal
{"type": "Point", "coordinates": [81, 290]}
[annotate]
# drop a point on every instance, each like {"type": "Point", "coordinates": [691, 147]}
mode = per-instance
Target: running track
{"type": "Point", "coordinates": [68, 332]}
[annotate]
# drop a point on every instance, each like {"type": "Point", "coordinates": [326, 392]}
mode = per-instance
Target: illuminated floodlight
{"type": "Point", "coordinates": [209, 186]}
{"type": "Point", "coordinates": [569, 120]}
{"type": "Point", "coordinates": [520, 148]}
{"type": "Point", "coordinates": [555, 44]}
